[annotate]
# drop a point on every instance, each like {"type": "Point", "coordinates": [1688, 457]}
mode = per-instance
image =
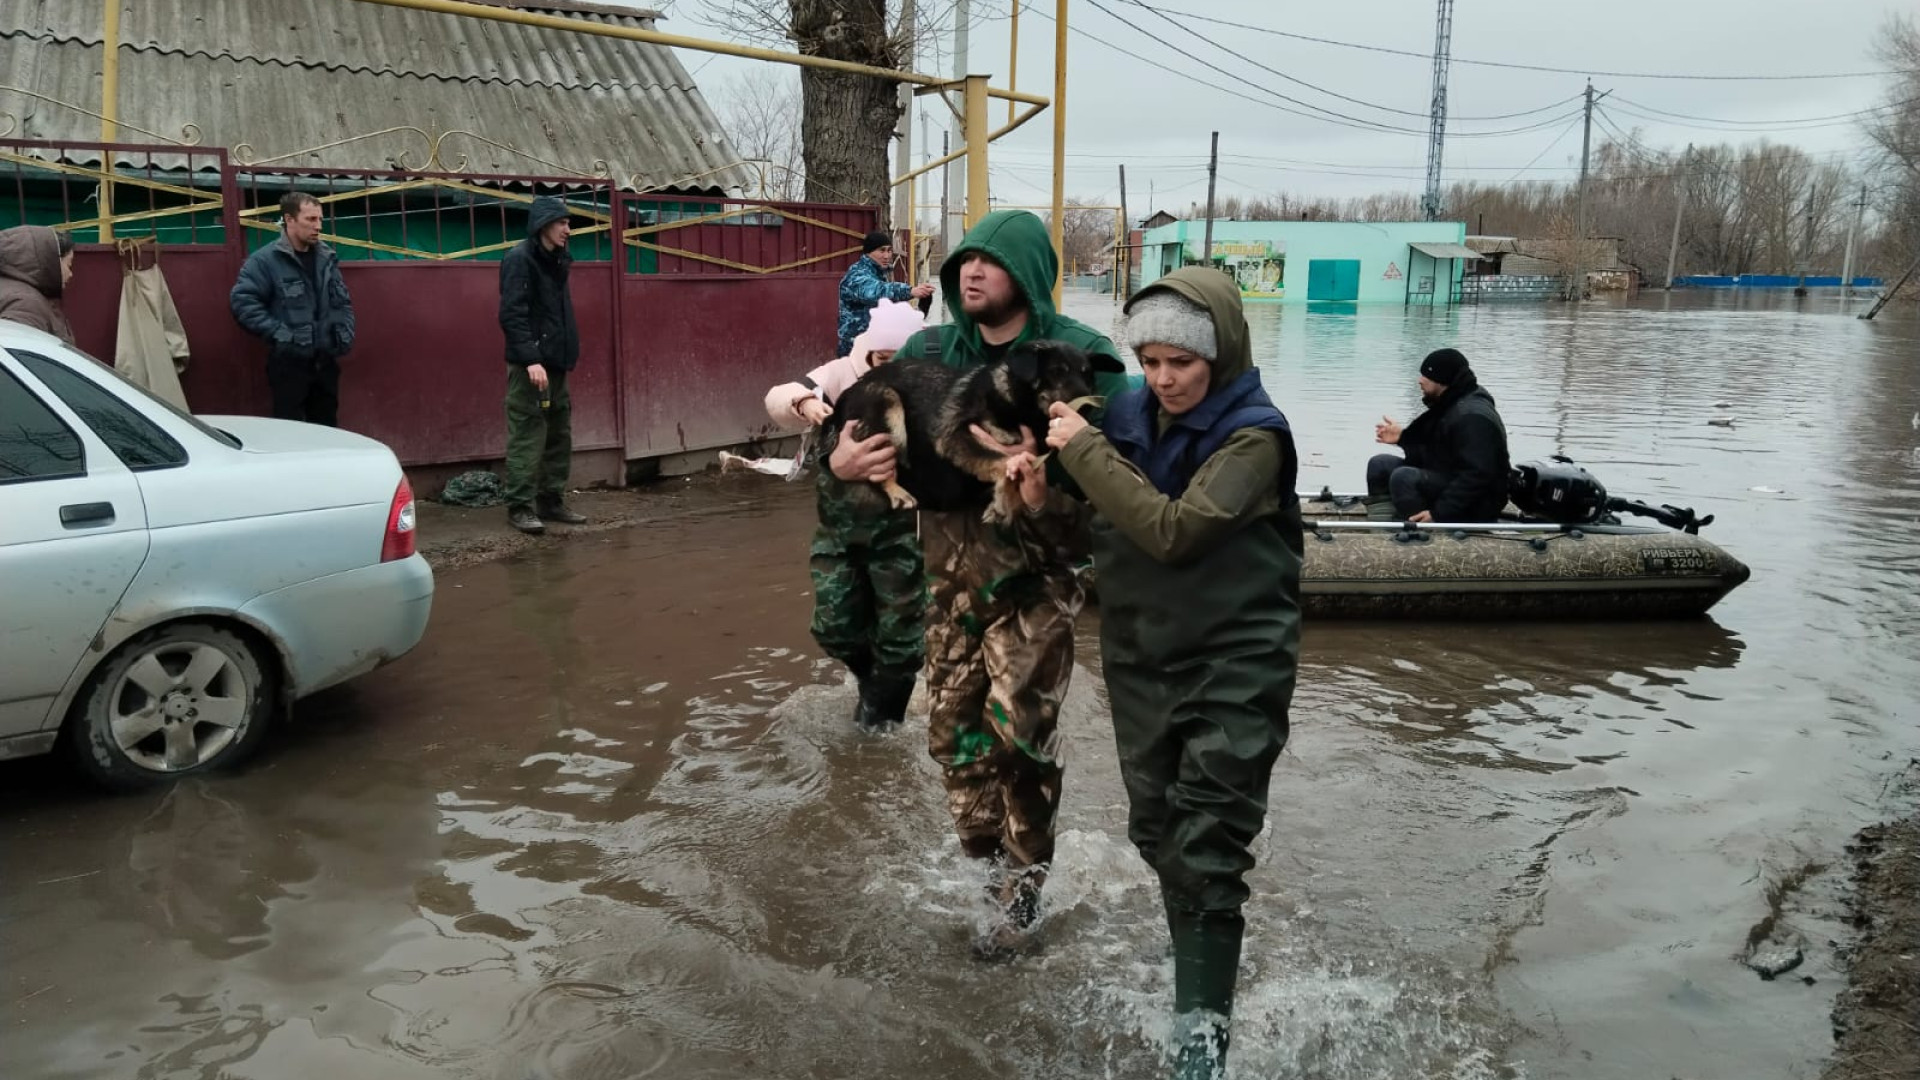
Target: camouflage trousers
{"type": "Point", "coordinates": [999, 658]}
{"type": "Point", "coordinates": [869, 584]}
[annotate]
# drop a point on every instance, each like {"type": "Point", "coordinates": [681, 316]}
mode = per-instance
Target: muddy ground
{"type": "Point", "coordinates": [1876, 1020]}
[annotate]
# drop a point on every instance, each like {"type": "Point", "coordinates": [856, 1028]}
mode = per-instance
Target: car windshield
{"type": "Point", "coordinates": [204, 428]}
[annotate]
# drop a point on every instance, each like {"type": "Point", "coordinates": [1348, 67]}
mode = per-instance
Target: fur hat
{"type": "Point", "coordinates": [1167, 318]}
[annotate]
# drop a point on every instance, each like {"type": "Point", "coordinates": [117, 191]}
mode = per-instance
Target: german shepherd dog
{"type": "Point", "coordinates": [928, 408]}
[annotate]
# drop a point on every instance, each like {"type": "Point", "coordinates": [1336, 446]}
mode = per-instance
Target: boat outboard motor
{"type": "Point", "coordinates": [1559, 491]}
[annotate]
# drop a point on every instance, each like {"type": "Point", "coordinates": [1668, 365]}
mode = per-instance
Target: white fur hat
{"type": "Point", "coordinates": [1165, 317]}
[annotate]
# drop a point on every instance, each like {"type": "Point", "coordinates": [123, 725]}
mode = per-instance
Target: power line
{"type": "Point", "coordinates": [1331, 117]}
{"type": "Point", "coordinates": [1141, 4]}
{"type": "Point", "coordinates": [1540, 67]}
{"type": "Point", "coordinates": [1817, 120]}
{"type": "Point", "coordinates": [1564, 132]}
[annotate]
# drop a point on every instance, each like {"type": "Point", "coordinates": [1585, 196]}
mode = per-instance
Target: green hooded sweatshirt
{"type": "Point", "coordinates": [1018, 241]}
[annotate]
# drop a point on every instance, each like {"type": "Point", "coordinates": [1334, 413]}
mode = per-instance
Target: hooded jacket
{"type": "Point", "coordinates": [297, 318]}
{"type": "Point", "coordinates": [536, 307]}
{"type": "Point", "coordinates": [30, 283]}
{"type": "Point", "coordinates": [1018, 242]}
{"type": "Point", "coordinates": [1197, 533]}
{"type": "Point", "coordinates": [1462, 439]}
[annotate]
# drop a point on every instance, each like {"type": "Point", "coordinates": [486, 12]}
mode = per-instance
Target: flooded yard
{"type": "Point", "coordinates": [612, 820]}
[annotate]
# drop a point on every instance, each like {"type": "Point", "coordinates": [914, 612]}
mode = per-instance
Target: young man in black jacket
{"type": "Point", "coordinates": [1456, 464]}
{"type": "Point", "coordinates": [543, 345]}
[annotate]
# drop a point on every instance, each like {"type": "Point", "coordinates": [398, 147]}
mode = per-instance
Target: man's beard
{"type": "Point", "coordinates": [1433, 399]}
{"type": "Point", "coordinates": [995, 313]}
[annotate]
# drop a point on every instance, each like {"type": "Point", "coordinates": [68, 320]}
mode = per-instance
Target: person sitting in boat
{"type": "Point", "coordinates": [1455, 467]}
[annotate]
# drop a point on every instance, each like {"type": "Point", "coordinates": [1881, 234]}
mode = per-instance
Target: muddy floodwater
{"type": "Point", "coordinates": [611, 819]}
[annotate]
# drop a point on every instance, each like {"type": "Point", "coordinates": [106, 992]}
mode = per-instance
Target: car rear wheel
{"type": "Point", "coordinates": [178, 700]}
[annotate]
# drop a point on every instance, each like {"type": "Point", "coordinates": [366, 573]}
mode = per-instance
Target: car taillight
{"type": "Point", "coordinates": [399, 541]}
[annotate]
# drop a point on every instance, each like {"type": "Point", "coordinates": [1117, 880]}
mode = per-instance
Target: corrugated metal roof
{"type": "Point", "coordinates": [284, 75]}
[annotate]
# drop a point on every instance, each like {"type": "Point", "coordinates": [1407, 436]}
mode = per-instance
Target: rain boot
{"type": "Point", "coordinates": [1380, 508]}
{"type": "Point", "coordinates": [860, 666]}
{"type": "Point", "coordinates": [1014, 893]}
{"type": "Point", "coordinates": [1206, 965]}
{"type": "Point", "coordinates": [883, 700]}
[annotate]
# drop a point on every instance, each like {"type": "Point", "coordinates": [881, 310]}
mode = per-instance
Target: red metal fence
{"type": "Point", "coordinates": [689, 307]}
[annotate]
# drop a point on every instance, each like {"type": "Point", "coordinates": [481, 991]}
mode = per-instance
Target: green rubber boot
{"type": "Point", "coordinates": [1206, 965]}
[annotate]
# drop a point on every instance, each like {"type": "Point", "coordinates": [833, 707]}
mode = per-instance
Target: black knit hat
{"type": "Point", "coordinates": [875, 241]}
{"type": "Point", "coordinates": [1444, 366]}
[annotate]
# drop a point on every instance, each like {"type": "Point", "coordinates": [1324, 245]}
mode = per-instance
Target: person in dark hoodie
{"type": "Point", "coordinates": [543, 345]}
{"type": "Point", "coordinates": [1455, 467]}
{"type": "Point", "coordinates": [1197, 544]}
{"type": "Point", "coordinates": [1002, 597]}
{"type": "Point", "coordinates": [35, 265]}
{"type": "Point", "coordinates": [290, 295]}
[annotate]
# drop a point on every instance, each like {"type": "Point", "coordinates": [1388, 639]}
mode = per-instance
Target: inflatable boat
{"type": "Point", "coordinates": [1509, 569]}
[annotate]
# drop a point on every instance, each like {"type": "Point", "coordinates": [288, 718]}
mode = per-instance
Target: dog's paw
{"type": "Point", "coordinates": [899, 499]}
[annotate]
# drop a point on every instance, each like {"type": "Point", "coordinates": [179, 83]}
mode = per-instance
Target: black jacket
{"type": "Point", "coordinates": [275, 301]}
{"type": "Point", "coordinates": [536, 308]}
{"type": "Point", "coordinates": [1462, 438]}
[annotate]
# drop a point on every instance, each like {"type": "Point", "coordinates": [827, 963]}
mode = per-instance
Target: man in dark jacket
{"type": "Point", "coordinates": [543, 344]}
{"type": "Point", "coordinates": [1456, 463]}
{"type": "Point", "coordinates": [291, 295]}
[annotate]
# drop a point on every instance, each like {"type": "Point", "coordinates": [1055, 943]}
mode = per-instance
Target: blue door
{"type": "Point", "coordinates": [1333, 279]}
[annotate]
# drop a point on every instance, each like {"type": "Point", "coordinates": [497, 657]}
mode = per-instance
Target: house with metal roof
{"type": "Point", "coordinates": [307, 86]}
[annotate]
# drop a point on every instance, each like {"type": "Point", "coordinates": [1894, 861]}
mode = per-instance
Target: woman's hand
{"type": "Point", "coordinates": [1063, 424]}
{"type": "Point", "coordinates": [868, 459]}
{"type": "Point", "coordinates": [812, 410]}
{"type": "Point", "coordinates": [1025, 472]}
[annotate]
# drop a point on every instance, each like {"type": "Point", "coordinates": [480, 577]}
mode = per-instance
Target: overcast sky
{"type": "Point", "coordinates": [1123, 109]}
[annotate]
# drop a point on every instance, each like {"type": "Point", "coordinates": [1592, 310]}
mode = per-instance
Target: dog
{"type": "Point", "coordinates": [929, 409]}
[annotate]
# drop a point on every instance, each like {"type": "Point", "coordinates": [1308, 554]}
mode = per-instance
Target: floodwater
{"type": "Point", "coordinates": [611, 820]}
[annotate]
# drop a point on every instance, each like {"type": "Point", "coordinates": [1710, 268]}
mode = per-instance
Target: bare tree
{"type": "Point", "coordinates": [761, 111]}
{"type": "Point", "coordinates": [846, 119]}
{"type": "Point", "coordinates": [1895, 131]}
{"type": "Point", "coordinates": [1086, 234]}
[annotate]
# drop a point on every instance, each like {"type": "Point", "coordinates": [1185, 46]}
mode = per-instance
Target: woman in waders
{"type": "Point", "coordinates": [1197, 545]}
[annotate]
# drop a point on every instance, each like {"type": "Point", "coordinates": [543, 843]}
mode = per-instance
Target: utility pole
{"type": "Point", "coordinates": [1846, 266]}
{"type": "Point", "coordinates": [1437, 116]}
{"type": "Point", "coordinates": [1123, 266]}
{"type": "Point", "coordinates": [1213, 165]}
{"type": "Point", "coordinates": [1679, 205]}
{"type": "Point", "coordinates": [1577, 279]}
{"type": "Point", "coordinates": [962, 15]}
{"type": "Point", "coordinates": [903, 195]}
{"type": "Point", "coordinates": [1806, 246]}
{"type": "Point", "coordinates": [946, 196]}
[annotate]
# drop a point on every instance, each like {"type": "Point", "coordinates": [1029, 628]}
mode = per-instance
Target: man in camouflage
{"type": "Point", "coordinates": [1003, 597]}
{"type": "Point", "coordinates": [869, 595]}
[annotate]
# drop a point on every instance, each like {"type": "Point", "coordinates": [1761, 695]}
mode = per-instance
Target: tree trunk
{"type": "Point", "coordinates": [846, 120]}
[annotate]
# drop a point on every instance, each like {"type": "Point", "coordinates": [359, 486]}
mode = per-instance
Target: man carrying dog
{"type": "Point", "coordinates": [1003, 598]}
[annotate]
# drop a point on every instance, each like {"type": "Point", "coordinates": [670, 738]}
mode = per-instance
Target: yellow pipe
{"type": "Point", "coordinates": [680, 41]}
{"type": "Point", "coordinates": [1059, 223]}
{"type": "Point", "coordinates": [109, 110]}
{"type": "Point", "coordinates": [962, 152]}
{"type": "Point", "coordinates": [975, 111]}
{"type": "Point", "coordinates": [1013, 59]}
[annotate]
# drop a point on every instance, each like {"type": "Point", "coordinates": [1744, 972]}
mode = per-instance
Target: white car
{"type": "Point", "coordinates": [170, 584]}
